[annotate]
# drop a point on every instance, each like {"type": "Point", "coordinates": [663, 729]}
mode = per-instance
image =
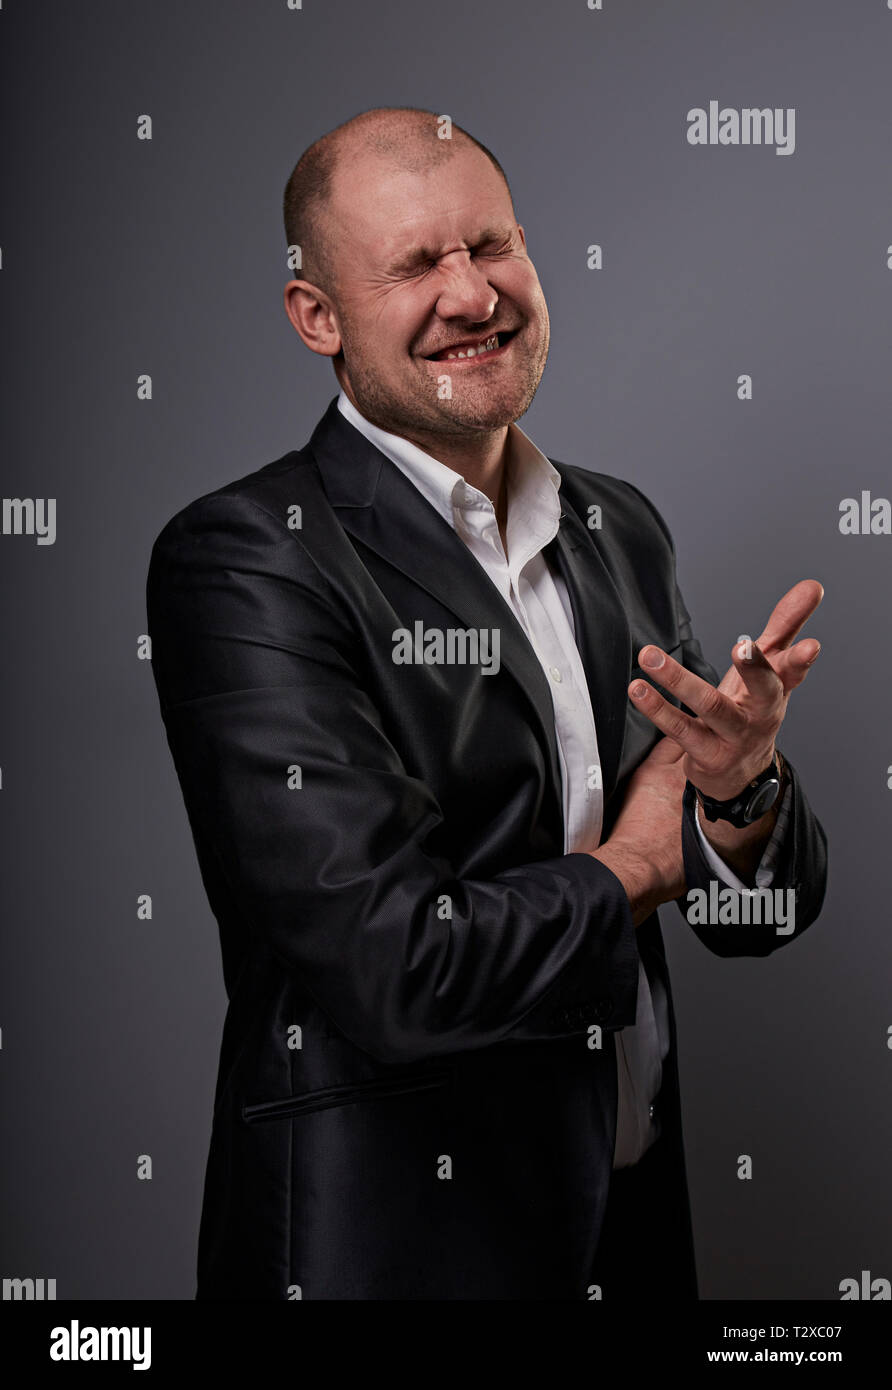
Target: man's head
{"type": "Point", "coordinates": [410, 248]}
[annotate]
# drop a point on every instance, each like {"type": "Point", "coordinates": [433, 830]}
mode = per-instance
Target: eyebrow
{"type": "Point", "coordinates": [418, 255]}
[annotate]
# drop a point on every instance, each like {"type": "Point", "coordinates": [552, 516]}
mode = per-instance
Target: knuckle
{"type": "Point", "coordinates": [675, 727]}
{"type": "Point", "coordinates": [713, 703]}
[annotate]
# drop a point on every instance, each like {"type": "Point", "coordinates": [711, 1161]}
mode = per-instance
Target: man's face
{"type": "Point", "coordinates": [429, 262]}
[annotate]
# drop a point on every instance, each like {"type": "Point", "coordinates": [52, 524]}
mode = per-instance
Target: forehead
{"type": "Point", "coordinates": [386, 213]}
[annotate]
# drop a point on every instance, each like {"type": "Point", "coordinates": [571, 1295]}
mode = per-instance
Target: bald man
{"type": "Point", "coordinates": [446, 741]}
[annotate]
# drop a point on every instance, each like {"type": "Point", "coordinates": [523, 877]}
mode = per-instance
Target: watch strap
{"type": "Point", "coordinates": [752, 802]}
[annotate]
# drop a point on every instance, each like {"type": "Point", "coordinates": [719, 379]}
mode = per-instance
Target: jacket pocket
{"type": "Point", "coordinates": [325, 1099]}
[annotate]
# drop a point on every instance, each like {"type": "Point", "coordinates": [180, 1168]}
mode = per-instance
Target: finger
{"type": "Point", "coordinates": [790, 614]}
{"type": "Point", "coordinates": [716, 710]}
{"type": "Point", "coordinates": [794, 665]}
{"type": "Point", "coordinates": [762, 681]}
{"type": "Point", "coordinates": [692, 734]}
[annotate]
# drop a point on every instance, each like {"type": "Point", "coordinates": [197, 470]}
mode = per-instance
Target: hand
{"type": "Point", "coordinates": [731, 738]}
{"type": "Point", "coordinates": [644, 847]}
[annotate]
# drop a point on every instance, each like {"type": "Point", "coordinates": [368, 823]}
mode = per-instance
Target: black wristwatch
{"type": "Point", "coordinates": [757, 797]}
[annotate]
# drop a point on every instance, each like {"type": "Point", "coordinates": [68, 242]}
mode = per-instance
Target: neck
{"type": "Point", "coordinates": [481, 459]}
{"type": "Point", "coordinates": [481, 462]}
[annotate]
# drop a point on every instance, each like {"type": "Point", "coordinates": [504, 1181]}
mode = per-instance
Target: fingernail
{"type": "Point", "coordinates": [652, 658]}
{"type": "Point", "coordinates": [639, 692]}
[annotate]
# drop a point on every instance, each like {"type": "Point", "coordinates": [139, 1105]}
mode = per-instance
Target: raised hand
{"type": "Point", "coordinates": [730, 738]}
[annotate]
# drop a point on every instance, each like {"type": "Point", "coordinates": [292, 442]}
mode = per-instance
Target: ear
{"type": "Point", "coordinates": [312, 315]}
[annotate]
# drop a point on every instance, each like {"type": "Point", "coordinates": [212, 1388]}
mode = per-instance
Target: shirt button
{"type": "Point", "coordinates": [555, 674]}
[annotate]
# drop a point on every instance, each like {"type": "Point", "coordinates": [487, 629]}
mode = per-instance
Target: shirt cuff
{"type": "Point", "coordinates": [770, 855]}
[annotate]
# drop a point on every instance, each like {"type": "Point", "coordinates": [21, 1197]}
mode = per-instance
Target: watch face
{"type": "Point", "coordinates": [762, 799]}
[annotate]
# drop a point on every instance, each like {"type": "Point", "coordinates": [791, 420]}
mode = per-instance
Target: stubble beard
{"type": "Point", "coordinates": [410, 412]}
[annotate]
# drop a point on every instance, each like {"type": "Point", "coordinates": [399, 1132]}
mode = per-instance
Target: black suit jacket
{"type": "Point", "coordinates": [409, 1104]}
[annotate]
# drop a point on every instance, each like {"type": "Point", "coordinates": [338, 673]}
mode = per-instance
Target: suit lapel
{"type": "Point", "coordinates": [383, 510]}
{"type": "Point", "coordinates": [602, 635]}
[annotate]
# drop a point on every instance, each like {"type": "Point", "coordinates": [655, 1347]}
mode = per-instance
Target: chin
{"type": "Point", "coordinates": [492, 417]}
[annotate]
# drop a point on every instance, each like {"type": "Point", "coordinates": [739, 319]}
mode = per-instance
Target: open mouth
{"type": "Point", "coordinates": [473, 348]}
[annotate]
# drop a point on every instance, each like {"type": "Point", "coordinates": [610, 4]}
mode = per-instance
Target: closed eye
{"type": "Point", "coordinates": [486, 249]}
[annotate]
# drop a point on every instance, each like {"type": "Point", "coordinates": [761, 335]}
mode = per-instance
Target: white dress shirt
{"type": "Point", "coordinates": [540, 602]}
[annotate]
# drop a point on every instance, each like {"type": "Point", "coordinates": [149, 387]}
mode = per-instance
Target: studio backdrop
{"type": "Point", "coordinates": [720, 312]}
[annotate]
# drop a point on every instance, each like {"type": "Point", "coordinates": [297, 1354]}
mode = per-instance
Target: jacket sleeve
{"type": "Point", "coordinates": [798, 861]}
{"type": "Point", "coordinates": [798, 855]}
{"type": "Point", "coordinates": [323, 838]}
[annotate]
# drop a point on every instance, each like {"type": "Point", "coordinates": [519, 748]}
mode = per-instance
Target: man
{"type": "Point", "coordinates": [402, 673]}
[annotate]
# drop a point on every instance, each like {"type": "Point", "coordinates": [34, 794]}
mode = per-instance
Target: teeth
{"type": "Point", "coordinates": [487, 346]}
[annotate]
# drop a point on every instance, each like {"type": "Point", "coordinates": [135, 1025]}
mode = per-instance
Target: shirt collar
{"type": "Point", "coordinates": [533, 481]}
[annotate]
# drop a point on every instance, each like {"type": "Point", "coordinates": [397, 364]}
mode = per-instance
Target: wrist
{"type": "Point", "coordinates": [646, 883]}
{"type": "Point", "coordinates": [750, 804]}
{"type": "Point", "coordinates": [741, 848]}
{"type": "Point", "coordinates": [727, 789]}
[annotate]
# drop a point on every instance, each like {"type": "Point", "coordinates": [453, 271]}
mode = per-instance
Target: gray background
{"type": "Point", "coordinates": [122, 257]}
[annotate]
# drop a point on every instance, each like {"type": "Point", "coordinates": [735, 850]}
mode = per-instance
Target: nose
{"type": "Point", "coordinates": [465, 291]}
